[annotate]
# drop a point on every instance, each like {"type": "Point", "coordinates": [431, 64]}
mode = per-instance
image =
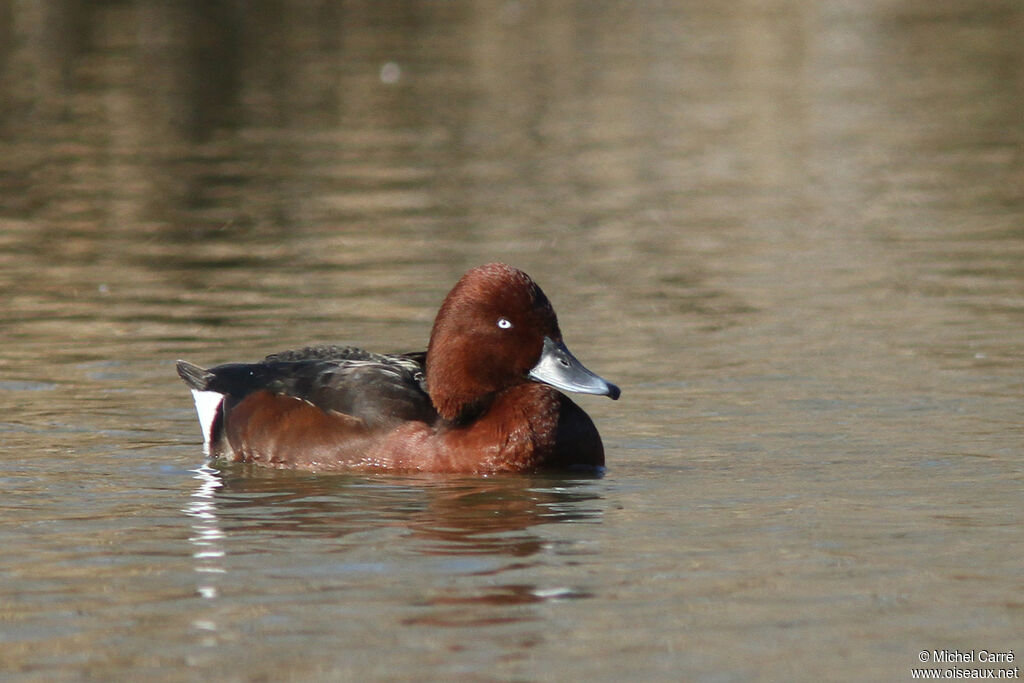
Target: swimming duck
{"type": "Point", "coordinates": [485, 397]}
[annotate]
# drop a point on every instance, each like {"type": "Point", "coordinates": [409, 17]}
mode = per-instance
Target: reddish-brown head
{"type": "Point", "coordinates": [487, 337]}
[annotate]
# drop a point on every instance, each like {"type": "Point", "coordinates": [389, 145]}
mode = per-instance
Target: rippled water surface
{"type": "Point", "coordinates": [792, 232]}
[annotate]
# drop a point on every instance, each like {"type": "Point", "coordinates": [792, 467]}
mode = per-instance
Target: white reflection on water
{"type": "Point", "coordinates": [207, 535]}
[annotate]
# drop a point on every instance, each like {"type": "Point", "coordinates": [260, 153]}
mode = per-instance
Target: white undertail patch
{"type": "Point", "coordinates": [207, 405]}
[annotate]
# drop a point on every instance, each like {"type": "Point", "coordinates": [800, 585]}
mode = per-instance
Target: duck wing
{"type": "Point", "coordinates": [378, 389]}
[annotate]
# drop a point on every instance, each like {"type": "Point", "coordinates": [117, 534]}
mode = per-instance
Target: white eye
{"type": "Point", "coordinates": [504, 323]}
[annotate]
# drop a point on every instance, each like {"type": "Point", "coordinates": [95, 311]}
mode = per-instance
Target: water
{"type": "Point", "coordinates": [791, 232]}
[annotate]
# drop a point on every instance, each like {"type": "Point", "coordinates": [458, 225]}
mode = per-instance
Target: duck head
{"type": "Point", "coordinates": [496, 329]}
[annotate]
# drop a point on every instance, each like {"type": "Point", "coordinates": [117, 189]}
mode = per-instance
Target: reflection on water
{"type": "Point", "coordinates": [494, 518]}
{"type": "Point", "coordinates": [443, 516]}
{"type": "Point", "coordinates": [207, 535]}
{"type": "Point", "coordinates": [488, 516]}
{"type": "Point", "coordinates": [791, 230]}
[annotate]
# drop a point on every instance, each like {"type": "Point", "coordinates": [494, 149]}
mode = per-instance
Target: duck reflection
{"type": "Point", "coordinates": [473, 528]}
{"type": "Point", "coordinates": [445, 515]}
{"type": "Point", "coordinates": [495, 516]}
{"type": "Point", "coordinates": [207, 536]}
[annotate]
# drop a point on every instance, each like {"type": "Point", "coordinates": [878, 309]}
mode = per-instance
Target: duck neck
{"type": "Point", "coordinates": [468, 412]}
{"type": "Point", "coordinates": [516, 430]}
{"type": "Point", "coordinates": [458, 389]}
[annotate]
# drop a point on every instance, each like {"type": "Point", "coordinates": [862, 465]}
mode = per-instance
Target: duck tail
{"type": "Point", "coordinates": [195, 377]}
{"type": "Point", "coordinates": [209, 402]}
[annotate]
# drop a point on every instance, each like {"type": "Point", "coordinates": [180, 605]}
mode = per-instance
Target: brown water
{"type": "Point", "coordinates": [793, 232]}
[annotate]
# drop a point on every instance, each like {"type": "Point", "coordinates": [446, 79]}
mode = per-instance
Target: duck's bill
{"type": "Point", "coordinates": [559, 368]}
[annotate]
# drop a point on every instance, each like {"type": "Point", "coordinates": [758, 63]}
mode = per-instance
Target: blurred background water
{"type": "Point", "coordinates": [791, 231]}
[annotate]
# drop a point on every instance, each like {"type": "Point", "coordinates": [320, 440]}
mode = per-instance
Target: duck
{"type": "Point", "coordinates": [485, 397]}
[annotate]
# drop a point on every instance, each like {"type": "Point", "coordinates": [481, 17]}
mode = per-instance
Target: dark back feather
{"type": "Point", "coordinates": [379, 389]}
